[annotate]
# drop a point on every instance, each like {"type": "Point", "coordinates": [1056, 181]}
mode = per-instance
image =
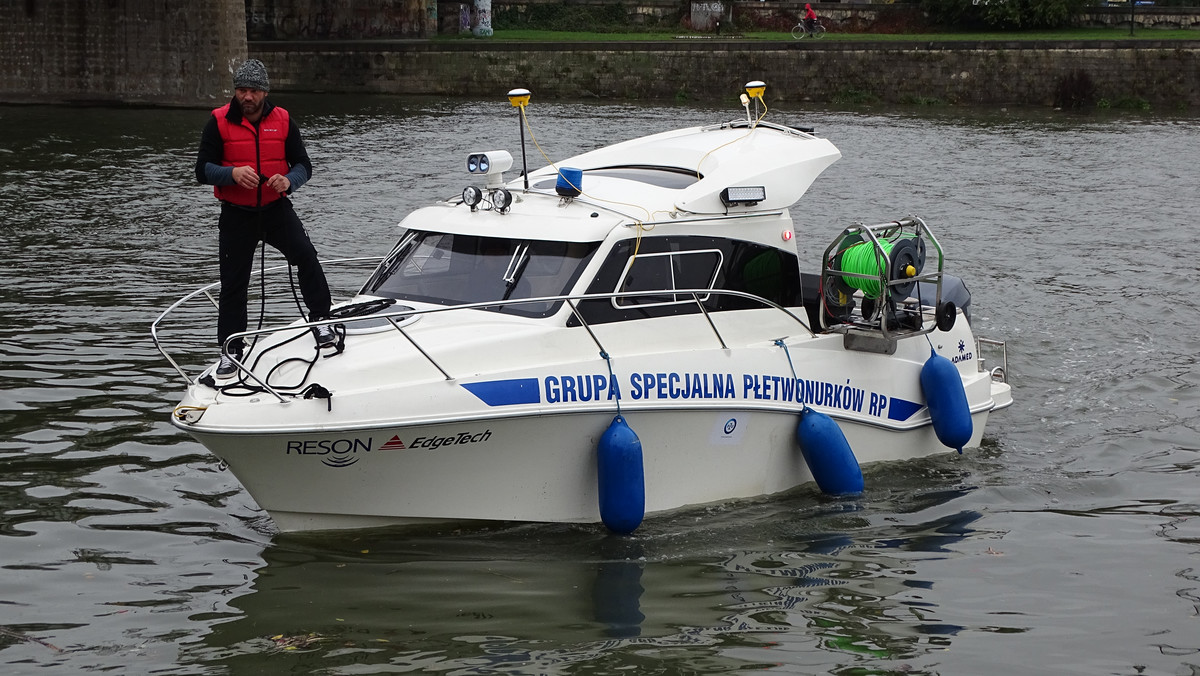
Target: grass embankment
{"type": "Point", "coordinates": [1069, 34]}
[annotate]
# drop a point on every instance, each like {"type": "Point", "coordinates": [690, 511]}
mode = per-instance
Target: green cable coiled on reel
{"type": "Point", "coordinates": [907, 256]}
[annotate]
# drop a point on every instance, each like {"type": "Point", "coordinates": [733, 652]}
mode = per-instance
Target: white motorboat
{"type": "Point", "coordinates": [622, 333]}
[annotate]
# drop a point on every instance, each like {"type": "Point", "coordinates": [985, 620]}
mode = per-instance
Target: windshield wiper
{"type": "Point", "coordinates": [516, 266]}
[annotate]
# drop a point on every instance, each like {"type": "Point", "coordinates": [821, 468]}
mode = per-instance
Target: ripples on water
{"type": "Point", "coordinates": [1064, 545]}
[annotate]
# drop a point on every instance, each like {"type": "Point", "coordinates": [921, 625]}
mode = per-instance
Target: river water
{"type": "Point", "coordinates": [1068, 544]}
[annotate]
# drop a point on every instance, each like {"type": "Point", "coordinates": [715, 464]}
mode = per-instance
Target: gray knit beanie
{"type": "Point", "coordinates": [252, 75]}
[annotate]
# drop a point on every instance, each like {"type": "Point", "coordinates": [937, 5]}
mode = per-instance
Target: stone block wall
{"type": "Point", "coordinates": [169, 52]}
{"type": "Point", "coordinates": [1163, 73]}
{"type": "Point", "coordinates": [846, 16]}
{"type": "Point", "coordinates": [1144, 16]}
{"type": "Point", "coordinates": [157, 52]}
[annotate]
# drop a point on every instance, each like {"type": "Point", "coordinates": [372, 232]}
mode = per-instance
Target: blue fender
{"type": "Point", "coordinates": [621, 478]}
{"type": "Point", "coordinates": [828, 454]}
{"type": "Point", "coordinates": [947, 401]}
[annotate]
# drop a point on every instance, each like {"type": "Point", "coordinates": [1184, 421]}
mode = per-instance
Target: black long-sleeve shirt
{"type": "Point", "coordinates": [212, 151]}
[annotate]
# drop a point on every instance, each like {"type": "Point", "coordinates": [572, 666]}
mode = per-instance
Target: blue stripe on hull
{"type": "Point", "coordinates": [506, 392]}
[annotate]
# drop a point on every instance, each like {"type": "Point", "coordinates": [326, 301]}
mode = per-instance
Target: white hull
{"type": "Point", "coordinates": [548, 475]}
{"type": "Point", "coordinates": [714, 425]}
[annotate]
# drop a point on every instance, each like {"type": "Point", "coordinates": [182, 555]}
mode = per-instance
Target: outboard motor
{"type": "Point", "coordinates": [954, 290]}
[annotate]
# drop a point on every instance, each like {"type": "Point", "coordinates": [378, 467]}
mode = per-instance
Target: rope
{"type": "Point", "coordinates": [316, 391]}
{"type": "Point", "coordinates": [181, 411]}
{"type": "Point", "coordinates": [569, 182]}
{"type": "Point", "coordinates": [743, 137]}
{"type": "Point", "coordinates": [641, 227]}
{"type": "Point", "coordinates": [243, 388]}
{"type": "Point", "coordinates": [780, 343]}
{"type": "Point", "coordinates": [612, 379]}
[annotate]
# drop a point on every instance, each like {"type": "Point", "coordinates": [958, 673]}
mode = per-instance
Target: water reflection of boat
{"type": "Point", "coordinates": [538, 599]}
{"type": "Point", "coordinates": [625, 333]}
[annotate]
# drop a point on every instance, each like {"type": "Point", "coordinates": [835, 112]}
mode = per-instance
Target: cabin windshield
{"type": "Point", "coordinates": [448, 269]}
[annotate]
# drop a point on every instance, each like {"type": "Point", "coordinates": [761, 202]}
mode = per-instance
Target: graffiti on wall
{"type": "Point", "coordinates": [340, 20]}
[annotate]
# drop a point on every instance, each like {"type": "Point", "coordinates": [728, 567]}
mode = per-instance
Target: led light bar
{"type": "Point", "coordinates": [743, 195]}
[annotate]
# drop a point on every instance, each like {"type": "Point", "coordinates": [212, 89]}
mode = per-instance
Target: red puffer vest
{"type": "Point", "coordinates": [261, 147]}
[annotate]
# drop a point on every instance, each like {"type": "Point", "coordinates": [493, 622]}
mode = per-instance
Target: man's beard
{"type": "Point", "coordinates": [250, 108]}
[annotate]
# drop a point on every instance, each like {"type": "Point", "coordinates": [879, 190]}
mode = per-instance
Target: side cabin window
{"type": "Point", "coordinates": [667, 271]}
{"type": "Point", "coordinates": [451, 269]}
{"type": "Point", "coordinates": [664, 266]}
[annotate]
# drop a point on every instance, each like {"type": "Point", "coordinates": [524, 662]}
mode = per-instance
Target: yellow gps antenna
{"type": "Point", "coordinates": [755, 90]}
{"type": "Point", "coordinates": [519, 98]}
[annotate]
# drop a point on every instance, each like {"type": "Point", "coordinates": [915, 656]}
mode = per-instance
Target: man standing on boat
{"type": "Point", "coordinates": [252, 153]}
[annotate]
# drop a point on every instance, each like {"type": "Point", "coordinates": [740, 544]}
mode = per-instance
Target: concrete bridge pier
{"type": "Point", "coordinates": [138, 52]}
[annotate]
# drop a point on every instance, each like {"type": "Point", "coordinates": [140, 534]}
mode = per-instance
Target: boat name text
{"type": "Point", "coordinates": [762, 387]}
{"type": "Point", "coordinates": [669, 385]}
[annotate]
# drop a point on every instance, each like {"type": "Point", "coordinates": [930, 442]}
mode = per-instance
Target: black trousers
{"type": "Point", "coordinates": [241, 231]}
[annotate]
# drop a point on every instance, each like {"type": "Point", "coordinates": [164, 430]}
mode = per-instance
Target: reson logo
{"type": "Point", "coordinates": [337, 452]}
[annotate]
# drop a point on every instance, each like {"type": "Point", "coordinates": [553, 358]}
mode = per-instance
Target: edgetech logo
{"type": "Point", "coordinates": [451, 440]}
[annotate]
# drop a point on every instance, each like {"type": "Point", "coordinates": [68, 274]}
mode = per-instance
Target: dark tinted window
{"type": "Point", "coordinates": [673, 263]}
{"type": "Point", "coordinates": [663, 177]}
{"type": "Point", "coordinates": [451, 269]}
{"type": "Point", "coordinates": [670, 270]}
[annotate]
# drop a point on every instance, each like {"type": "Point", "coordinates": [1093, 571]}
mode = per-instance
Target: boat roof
{"type": "Point", "coordinates": [783, 160]}
{"type": "Point", "coordinates": [679, 173]}
{"type": "Point", "coordinates": [531, 217]}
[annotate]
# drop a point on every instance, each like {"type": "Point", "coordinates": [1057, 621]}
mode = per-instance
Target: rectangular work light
{"type": "Point", "coordinates": [743, 195]}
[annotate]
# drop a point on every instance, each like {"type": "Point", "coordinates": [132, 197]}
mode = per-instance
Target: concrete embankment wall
{"type": "Point", "coordinates": [1164, 74]}
{"type": "Point", "coordinates": [160, 52]}
{"type": "Point", "coordinates": [396, 19]}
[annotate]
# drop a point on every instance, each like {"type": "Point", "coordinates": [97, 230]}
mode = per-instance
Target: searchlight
{"type": "Point", "coordinates": [491, 163]}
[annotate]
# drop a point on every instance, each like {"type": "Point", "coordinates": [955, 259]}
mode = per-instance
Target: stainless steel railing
{"type": "Point", "coordinates": [395, 319]}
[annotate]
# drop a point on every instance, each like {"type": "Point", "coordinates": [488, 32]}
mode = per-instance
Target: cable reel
{"type": "Point", "coordinates": [882, 267]}
{"type": "Point", "coordinates": [874, 267]}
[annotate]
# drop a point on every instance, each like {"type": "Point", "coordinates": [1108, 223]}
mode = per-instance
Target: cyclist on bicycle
{"type": "Point", "coordinates": [810, 17]}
